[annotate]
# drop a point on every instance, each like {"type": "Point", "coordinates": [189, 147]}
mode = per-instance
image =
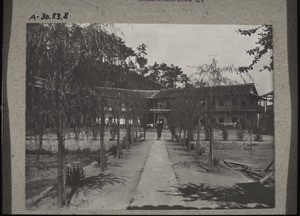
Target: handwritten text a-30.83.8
{"type": "Point", "coordinates": [53, 16]}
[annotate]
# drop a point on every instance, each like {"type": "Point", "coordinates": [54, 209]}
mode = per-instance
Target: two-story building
{"type": "Point", "coordinates": [233, 106]}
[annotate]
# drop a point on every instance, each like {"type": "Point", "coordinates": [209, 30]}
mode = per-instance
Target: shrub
{"type": "Point", "coordinates": [123, 143]}
{"type": "Point", "coordinates": [240, 134]}
{"type": "Point", "coordinates": [257, 136]}
{"type": "Point", "coordinates": [113, 150]}
{"type": "Point", "coordinates": [216, 161]}
{"type": "Point", "coordinates": [74, 176]}
{"type": "Point", "coordinates": [224, 134]}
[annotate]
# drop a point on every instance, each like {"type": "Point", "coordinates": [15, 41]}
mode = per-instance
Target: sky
{"type": "Point", "coordinates": [187, 46]}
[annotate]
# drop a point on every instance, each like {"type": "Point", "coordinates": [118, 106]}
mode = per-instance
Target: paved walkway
{"type": "Point", "coordinates": [157, 183]}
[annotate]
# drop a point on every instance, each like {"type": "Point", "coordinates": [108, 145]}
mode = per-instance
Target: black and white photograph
{"type": "Point", "coordinates": [124, 116]}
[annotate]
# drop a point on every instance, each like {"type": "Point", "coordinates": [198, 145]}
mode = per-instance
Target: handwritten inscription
{"type": "Point", "coordinates": [53, 16]}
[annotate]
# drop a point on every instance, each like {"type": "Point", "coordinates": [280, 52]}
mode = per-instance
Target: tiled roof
{"type": "Point", "coordinates": [240, 89]}
{"type": "Point", "coordinates": [216, 90]}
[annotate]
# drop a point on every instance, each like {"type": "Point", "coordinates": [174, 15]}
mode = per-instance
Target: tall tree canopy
{"type": "Point", "coordinates": [264, 45]}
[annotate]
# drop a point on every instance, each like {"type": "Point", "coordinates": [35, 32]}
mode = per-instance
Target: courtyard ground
{"type": "Point", "coordinates": [156, 174]}
{"type": "Point", "coordinates": [223, 188]}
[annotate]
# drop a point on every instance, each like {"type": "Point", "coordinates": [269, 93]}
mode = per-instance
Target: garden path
{"type": "Point", "coordinates": [157, 185]}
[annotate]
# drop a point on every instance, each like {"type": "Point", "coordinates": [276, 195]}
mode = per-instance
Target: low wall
{"type": "Point", "coordinates": [50, 142]}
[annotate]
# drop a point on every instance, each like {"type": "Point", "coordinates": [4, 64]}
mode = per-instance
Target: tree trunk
{"type": "Point", "coordinates": [61, 180]}
{"type": "Point", "coordinates": [187, 140]}
{"type": "Point", "coordinates": [179, 137]}
{"type": "Point", "coordinates": [118, 139]}
{"type": "Point", "coordinates": [126, 133]}
{"type": "Point", "coordinates": [136, 132]}
{"type": "Point", "coordinates": [251, 150]}
{"type": "Point", "coordinates": [40, 144]}
{"type": "Point", "coordinates": [198, 140]}
{"type": "Point", "coordinates": [184, 137]}
{"type": "Point", "coordinates": [210, 155]}
{"type": "Point", "coordinates": [211, 133]}
{"type": "Point", "coordinates": [102, 149]}
{"type": "Point", "coordinates": [145, 133]}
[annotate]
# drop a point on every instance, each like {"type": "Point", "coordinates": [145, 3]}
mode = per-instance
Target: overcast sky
{"type": "Point", "coordinates": [192, 45]}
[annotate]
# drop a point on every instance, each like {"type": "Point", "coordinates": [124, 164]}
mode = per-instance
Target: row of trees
{"type": "Point", "coordinates": [192, 104]}
{"type": "Point", "coordinates": [186, 107]}
{"type": "Point", "coordinates": [167, 76]}
{"type": "Point", "coordinates": [66, 64]}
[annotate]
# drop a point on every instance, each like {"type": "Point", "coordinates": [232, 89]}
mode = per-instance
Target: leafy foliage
{"type": "Point", "coordinates": [75, 176]}
{"type": "Point", "coordinates": [113, 150]}
{"type": "Point", "coordinates": [216, 161]}
{"type": "Point", "coordinates": [264, 45]}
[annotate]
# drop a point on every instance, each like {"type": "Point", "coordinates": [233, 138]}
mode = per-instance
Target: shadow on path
{"type": "Point", "coordinates": [242, 195]}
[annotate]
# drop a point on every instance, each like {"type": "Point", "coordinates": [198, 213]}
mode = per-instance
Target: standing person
{"type": "Point", "coordinates": [159, 128]}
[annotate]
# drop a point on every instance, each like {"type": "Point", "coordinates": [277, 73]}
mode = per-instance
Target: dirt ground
{"type": "Point", "coordinates": [42, 173]}
{"type": "Point", "coordinates": [115, 188]}
{"type": "Point", "coordinates": [223, 188]}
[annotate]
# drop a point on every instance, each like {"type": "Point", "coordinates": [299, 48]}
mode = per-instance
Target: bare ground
{"type": "Point", "coordinates": [115, 188]}
{"type": "Point", "coordinates": [223, 188]}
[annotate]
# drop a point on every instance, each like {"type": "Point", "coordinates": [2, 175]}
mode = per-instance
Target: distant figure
{"type": "Point", "coordinates": [159, 128]}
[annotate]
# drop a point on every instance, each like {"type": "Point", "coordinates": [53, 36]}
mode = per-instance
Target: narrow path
{"type": "Point", "coordinates": [157, 185]}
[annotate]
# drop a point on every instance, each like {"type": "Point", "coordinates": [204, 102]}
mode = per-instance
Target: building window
{"type": "Point", "coordinates": [221, 103]}
{"type": "Point", "coordinates": [221, 120]}
{"type": "Point", "coordinates": [234, 119]}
